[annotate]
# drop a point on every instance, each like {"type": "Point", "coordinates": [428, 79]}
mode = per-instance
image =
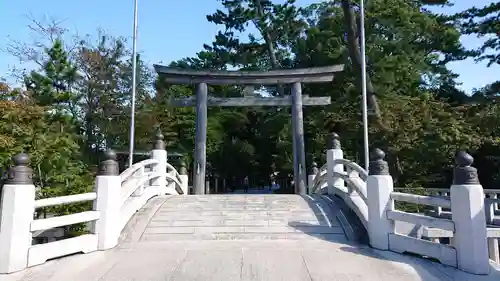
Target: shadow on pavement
{"type": "Point", "coordinates": [252, 191]}
{"type": "Point", "coordinates": [427, 270]}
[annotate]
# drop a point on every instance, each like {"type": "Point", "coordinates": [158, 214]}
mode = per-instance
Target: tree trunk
{"type": "Point", "coordinates": [353, 45]}
{"type": "Point", "coordinates": [355, 55]}
{"type": "Point", "coordinates": [267, 38]}
{"type": "Point", "coordinates": [269, 45]}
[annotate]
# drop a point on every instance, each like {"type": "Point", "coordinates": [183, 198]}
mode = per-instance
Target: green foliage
{"type": "Point", "coordinates": [52, 87]}
{"type": "Point", "coordinates": [484, 22]}
{"type": "Point", "coordinates": [44, 127]}
{"type": "Point", "coordinates": [424, 117]}
{"type": "Point", "coordinates": [54, 154]}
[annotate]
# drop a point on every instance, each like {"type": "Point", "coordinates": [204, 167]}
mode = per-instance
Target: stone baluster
{"type": "Point", "coordinates": [208, 178]}
{"type": "Point", "coordinates": [494, 196]}
{"type": "Point", "coordinates": [353, 177]}
{"type": "Point", "coordinates": [437, 209]}
{"type": "Point", "coordinates": [351, 173]}
{"type": "Point", "coordinates": [494, 249]}
{"type": "Point", "coordinates": [333, 153]}
{"type": "Point", "coordinates": [17, 210]}
{"type": "Point", "coordinates": [467, 205]}
{"type": "Point", "coordinates": [141, 172]}
{"type": "Point", "coordinates": [207, 185]}
{"type": "Point", "coordinates": [489, 209]}
{"type": "Point", "coordinates": [183, 176]}
{"type": "Point", "coordinates": [312, 175]}
{"type": "Point", "coordinates": [159, 153]}
{"type": "Point", "coordinates": [108, 189]}
{"type": "Point", "coordinates": [379, 185]}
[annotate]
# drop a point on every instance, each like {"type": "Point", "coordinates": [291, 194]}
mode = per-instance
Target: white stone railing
{"type": "Point", "coordinates": [116, 197]}
{"type": "Point", "coordinates": [38, 254]}
{"type": "Point", "coordinates": [18, 224]}
{"type": "Point", "coordinates": [401, 243]}
{"type": "Point", "coordinates": [350, 186]}
{"type": "Point", "coordinates": [491, 202]}
{"type": "Point", "coordinates": [371, 196]}
{"type": "Point", "coordinates": [179, 182]}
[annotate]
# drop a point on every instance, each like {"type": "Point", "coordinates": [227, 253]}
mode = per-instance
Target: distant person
{"type": "Point", "coordinates": [272, 187]}
{"type": "Point", "coordinates": [245, 184]}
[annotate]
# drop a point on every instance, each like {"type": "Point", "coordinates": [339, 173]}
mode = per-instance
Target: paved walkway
{"type": "Point", "coordinates": [238, 237]}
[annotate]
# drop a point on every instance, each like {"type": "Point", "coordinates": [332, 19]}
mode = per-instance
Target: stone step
{"type": "Point", "coordinates": [242, 216]}
{"type": "Point", "coordinates": [220, 219]}
{"type": "Point", "coordinates": [243, 229]}
{"type": "Point", "coordinates": [274, 222]}
{"type": "Point", "coordinates": [208, 211]}
{"type": "Point", "coordinates": [248, 211]}
{"type": "Point", "coordinates": [238, 210]}
{"type": "Point", "coordinates": [242, 236]}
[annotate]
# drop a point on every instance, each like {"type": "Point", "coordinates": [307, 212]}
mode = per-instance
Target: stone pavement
{"type": "Point", "coordinates": [239, 237]}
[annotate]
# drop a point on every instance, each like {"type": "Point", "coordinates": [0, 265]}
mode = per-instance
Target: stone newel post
{"type": "Point", "coordinates": [184, 176]}
{"type": "Point", "coordinates": [333, 153]}
{"type": "Point", "coordinates": [17, 209]}
{"type": "Point", "coordinates": [159, 153]}
{"type": "Point", "coordinates": [467, 205]}
{"type": "Point", "coordinates": [108, 202]}
{"type": "Point", "coordinates": [310, 178]}
{"type": "Point", "coordinates": [379, 187]}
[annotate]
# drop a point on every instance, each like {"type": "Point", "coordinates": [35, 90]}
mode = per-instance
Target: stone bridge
{"type": "Point", "coordinates": [144, 226]}
{"type": "Point", "coordinates": [238, 237]}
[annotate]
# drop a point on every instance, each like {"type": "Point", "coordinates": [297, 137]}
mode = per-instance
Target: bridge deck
{"type": "Point", "coordinates": [238, 237]}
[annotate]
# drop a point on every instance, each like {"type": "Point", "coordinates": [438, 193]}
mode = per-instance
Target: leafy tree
{"type": "Point", "coordinates": [54, 86]}
{"type": "Point", "coordinates": [26, 127]}
{"type": "Point", "coordinates": [277, 24]}
{"type": "Point", "coordinates": [418, 110]}
{"type": "Point", "coordinates": [57, 157]}
{"type": "Point", "coordinates": [483, 22]}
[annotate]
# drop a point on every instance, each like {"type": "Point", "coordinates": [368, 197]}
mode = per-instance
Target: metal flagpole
{"type": "Point", "coordinates": [134, 82]}
{"type": "Point", "coordinates": [363, 83]}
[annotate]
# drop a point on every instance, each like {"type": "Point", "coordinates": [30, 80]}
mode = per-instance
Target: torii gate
{"type": "Point", "coordinates": [274, 77]}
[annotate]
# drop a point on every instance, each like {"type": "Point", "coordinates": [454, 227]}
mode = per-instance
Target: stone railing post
{"type": "Point", "coordinates": [159, 153]}
{"type": "Point", "coordinates": [333, 153]}
{"type": "Point", "coordinates": [438, 210]}
{"type": "Point", "coordinates": [310, 178]}
{"type": "Point", "coordinates": [207, 185]}
{"type": "Point", "coordinates": [379, 187]}
{"type": "Point", "coordinates": [183, 176]}
{"type": "Point", "coordinates": [17, 209]}
{"type": "Point", "coordinates": [489, 210]}
{"type": "Point", "coordinates": [493, 249]}
{"type": "Point", "coordinates": [138, 175]}
{"type": "Point", "coordinates": [108, 203]}
{"type": "Point", "coordinates": [216, 183]}
{"type": "Point", "coordinates": [467, 206]}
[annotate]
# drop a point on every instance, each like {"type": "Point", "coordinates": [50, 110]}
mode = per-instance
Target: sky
{"type": "Point", "coordinates": [167, 30]}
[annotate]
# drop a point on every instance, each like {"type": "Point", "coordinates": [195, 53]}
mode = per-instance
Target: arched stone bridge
{"type": "Point", "coordinates": [144, 227]}
{"type": "Point", "coordinates": [238, 237]}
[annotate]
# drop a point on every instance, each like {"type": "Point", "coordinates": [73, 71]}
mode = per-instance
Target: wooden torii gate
{"type": "Point", "coordinates": [274, 77]}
